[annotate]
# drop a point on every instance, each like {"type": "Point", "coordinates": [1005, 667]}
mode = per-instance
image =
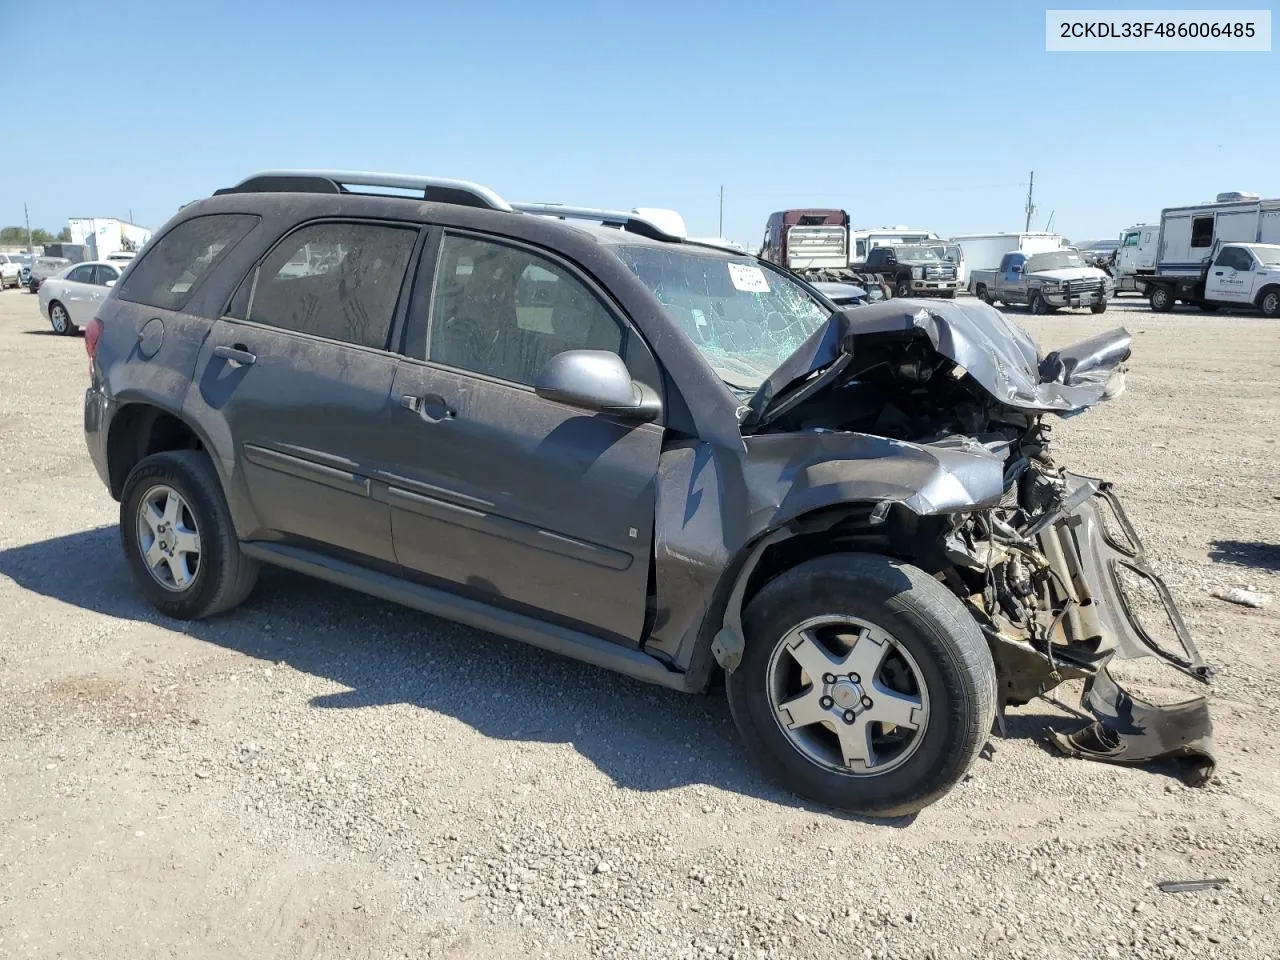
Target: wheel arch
{"type": "Point", "coordinates": [140, 428]}
{"type": "Point", "coordinates": [885, 527]}
{"type": "Point", "coordinates": [1269, 288]}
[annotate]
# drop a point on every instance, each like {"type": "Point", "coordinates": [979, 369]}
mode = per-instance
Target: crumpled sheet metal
{"type": "Point", "coordinates": [996, 352]}
{"type": "Point", "coordinates": [1130, 730]}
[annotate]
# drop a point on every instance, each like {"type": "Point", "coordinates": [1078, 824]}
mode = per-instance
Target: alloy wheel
{"type": "Point", "coordinates": [847, 695]}
{"type": "Point", "coordinates": [168, 538]}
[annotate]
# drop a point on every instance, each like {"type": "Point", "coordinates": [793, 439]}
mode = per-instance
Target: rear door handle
{"type": "Point", "coordinates": [236, 353]}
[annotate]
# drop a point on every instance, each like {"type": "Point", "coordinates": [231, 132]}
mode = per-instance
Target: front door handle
{"type": "Point", "coordinates": [237, 353]}
{"type": "Point", "coordinates": [431, 407]}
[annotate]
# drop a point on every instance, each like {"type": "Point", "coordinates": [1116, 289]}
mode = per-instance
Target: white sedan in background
{"type": "Point", "coordinates": [70, 297]}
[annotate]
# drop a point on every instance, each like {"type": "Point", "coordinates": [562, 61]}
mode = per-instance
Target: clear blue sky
{"type": "Point", "coordinates": [922, 113]}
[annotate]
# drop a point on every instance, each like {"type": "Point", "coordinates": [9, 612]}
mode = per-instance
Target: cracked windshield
{"type": "Point", "coordinates": [744, 319]}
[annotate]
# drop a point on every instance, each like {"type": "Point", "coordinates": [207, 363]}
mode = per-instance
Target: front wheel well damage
{"type": "Point", "coordinates": [139, 430]}
{"type": "Point", "coordinates": [878, 527]}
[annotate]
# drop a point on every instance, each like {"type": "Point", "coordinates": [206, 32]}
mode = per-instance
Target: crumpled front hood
{"type": "Point", "coordinates": [995, 351]}
{"type": "Point", "coordinates": [1070, 273]}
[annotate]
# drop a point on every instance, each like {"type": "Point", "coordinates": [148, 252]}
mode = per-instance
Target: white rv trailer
{"type": "Point", "coordinates": [862, 242]}
{"type": "Point", "coordinates": [1189, 235]}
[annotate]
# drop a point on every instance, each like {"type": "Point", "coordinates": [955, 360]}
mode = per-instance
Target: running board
{"type": "Point", "coordinates": [474, 613]}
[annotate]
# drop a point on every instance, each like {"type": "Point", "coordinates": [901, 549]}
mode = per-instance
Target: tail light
{"type": "Point", "coordinates": [92, 334]}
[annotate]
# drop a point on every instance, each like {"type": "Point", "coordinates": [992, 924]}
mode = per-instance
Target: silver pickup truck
{"type": "Point", "coordinates": [1044, 282]}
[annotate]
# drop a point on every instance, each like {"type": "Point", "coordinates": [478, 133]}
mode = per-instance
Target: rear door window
{"type": "Point", "coordinates": [340, 281]}
{"type": "Point", "coordinates": [172, 267]}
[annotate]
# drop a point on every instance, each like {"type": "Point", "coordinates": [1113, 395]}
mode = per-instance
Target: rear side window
{"type": "Point", "coordinates": [334, 280]}
{"type": "Point", "coordinates": [173, 266]}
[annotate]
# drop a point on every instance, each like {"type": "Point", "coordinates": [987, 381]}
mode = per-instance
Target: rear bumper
{"type": "Point", "coordinates": [96, 417]}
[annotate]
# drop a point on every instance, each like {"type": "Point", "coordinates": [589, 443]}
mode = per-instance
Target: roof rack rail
{"type": "Point", "coordinates": [653, 222]}
{"type": "Point", "coordinates": [436, 189]}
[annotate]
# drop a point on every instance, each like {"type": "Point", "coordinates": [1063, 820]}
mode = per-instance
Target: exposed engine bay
{"type": "Point", "coordinates": [1047, 563]}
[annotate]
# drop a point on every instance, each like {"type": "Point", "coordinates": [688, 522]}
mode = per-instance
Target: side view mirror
{"type": "Point", "coordinates": [111, 283]}
{"type": "Point", "coordinates": [597, 380]}
{"type": "Point", "coordinates": [1016, 268]}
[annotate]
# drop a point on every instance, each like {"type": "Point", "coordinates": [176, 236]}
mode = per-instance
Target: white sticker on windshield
{"type": "Point", "coordinates": [748, 278]}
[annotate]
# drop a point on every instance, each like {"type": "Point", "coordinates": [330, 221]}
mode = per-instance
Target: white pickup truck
{"type": "Point", "coordinates": [1044, 282]}
{"type": "Point", "coordinates": [1236, 275]}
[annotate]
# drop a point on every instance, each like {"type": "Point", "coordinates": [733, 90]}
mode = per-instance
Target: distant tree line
{"type": "Point", "coordinates": [13, 236]}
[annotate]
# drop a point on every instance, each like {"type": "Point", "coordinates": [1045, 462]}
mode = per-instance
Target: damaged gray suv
{"type": "Point", "coordinates": [578, 429]}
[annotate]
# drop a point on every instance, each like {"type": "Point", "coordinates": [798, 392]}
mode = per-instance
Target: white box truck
{"type": "Point", "coordinates": [1220, 254]}
{"type": "Point", "coordinates": [1189, 234]}
{"type": "Point", "coordinates": [984, 251]}
{"type": "Point", "coordinates": [104, 236]}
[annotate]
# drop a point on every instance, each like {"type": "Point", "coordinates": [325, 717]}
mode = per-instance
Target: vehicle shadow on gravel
{"type": "Point", "coordinates": [1247, 553]}
{"type": "Point", "coordinates": [643, 737]}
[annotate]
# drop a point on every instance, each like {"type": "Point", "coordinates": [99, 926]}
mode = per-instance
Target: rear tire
{"type": "Point", "coordinates": [984, 296]}
{"type": "Point", "coordinates": [1269, 303]}
{"type": "Point", "coordinates": [1161, 298]}
{"type": "Point", "coordinates": [944, 651]}
{"type": "Point", "coordinates": [223, 576]}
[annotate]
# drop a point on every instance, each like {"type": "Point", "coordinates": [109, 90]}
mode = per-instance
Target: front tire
{"type": "Point", "coordinates": [865, 684]}
{"type": "Point", "coordinates": [902, 288]}
{"type": "Point", "coordinates": [1039, 305]}
{"type": "Point", "coordinates": [60, 320]}
{"type": "Point", "coordinates": [1269, 303]}
{"type": "Point", "coordinates": [1099, 307]}
{"type": "Point", "coordinates": [178, 537]}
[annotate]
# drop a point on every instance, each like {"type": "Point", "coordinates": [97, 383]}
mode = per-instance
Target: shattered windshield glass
{"type": "Point", "coordinates": [743, 318]}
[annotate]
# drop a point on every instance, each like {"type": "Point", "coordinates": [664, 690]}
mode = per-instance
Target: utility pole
{"type": "Point", "coordinates": [27, 218]}
{"type": "Point", "coordinates": [721, 233]}
{"type": "Point", "coordinates": [1031, 207]}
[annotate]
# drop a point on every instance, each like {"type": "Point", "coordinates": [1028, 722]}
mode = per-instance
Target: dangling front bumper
{"type": "Point", "coordinates": [1093, 549]}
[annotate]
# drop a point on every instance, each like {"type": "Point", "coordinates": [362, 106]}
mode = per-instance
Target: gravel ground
{"type": "Point", "coordinates": [323, 774]}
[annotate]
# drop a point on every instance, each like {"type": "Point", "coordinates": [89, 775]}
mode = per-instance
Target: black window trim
{"type": "Point", "coordinates": [631, 333]}
{"type": "Point", "coordinates": [152, 244]}
{"type": "Point", "coordinates": [402, 298]}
